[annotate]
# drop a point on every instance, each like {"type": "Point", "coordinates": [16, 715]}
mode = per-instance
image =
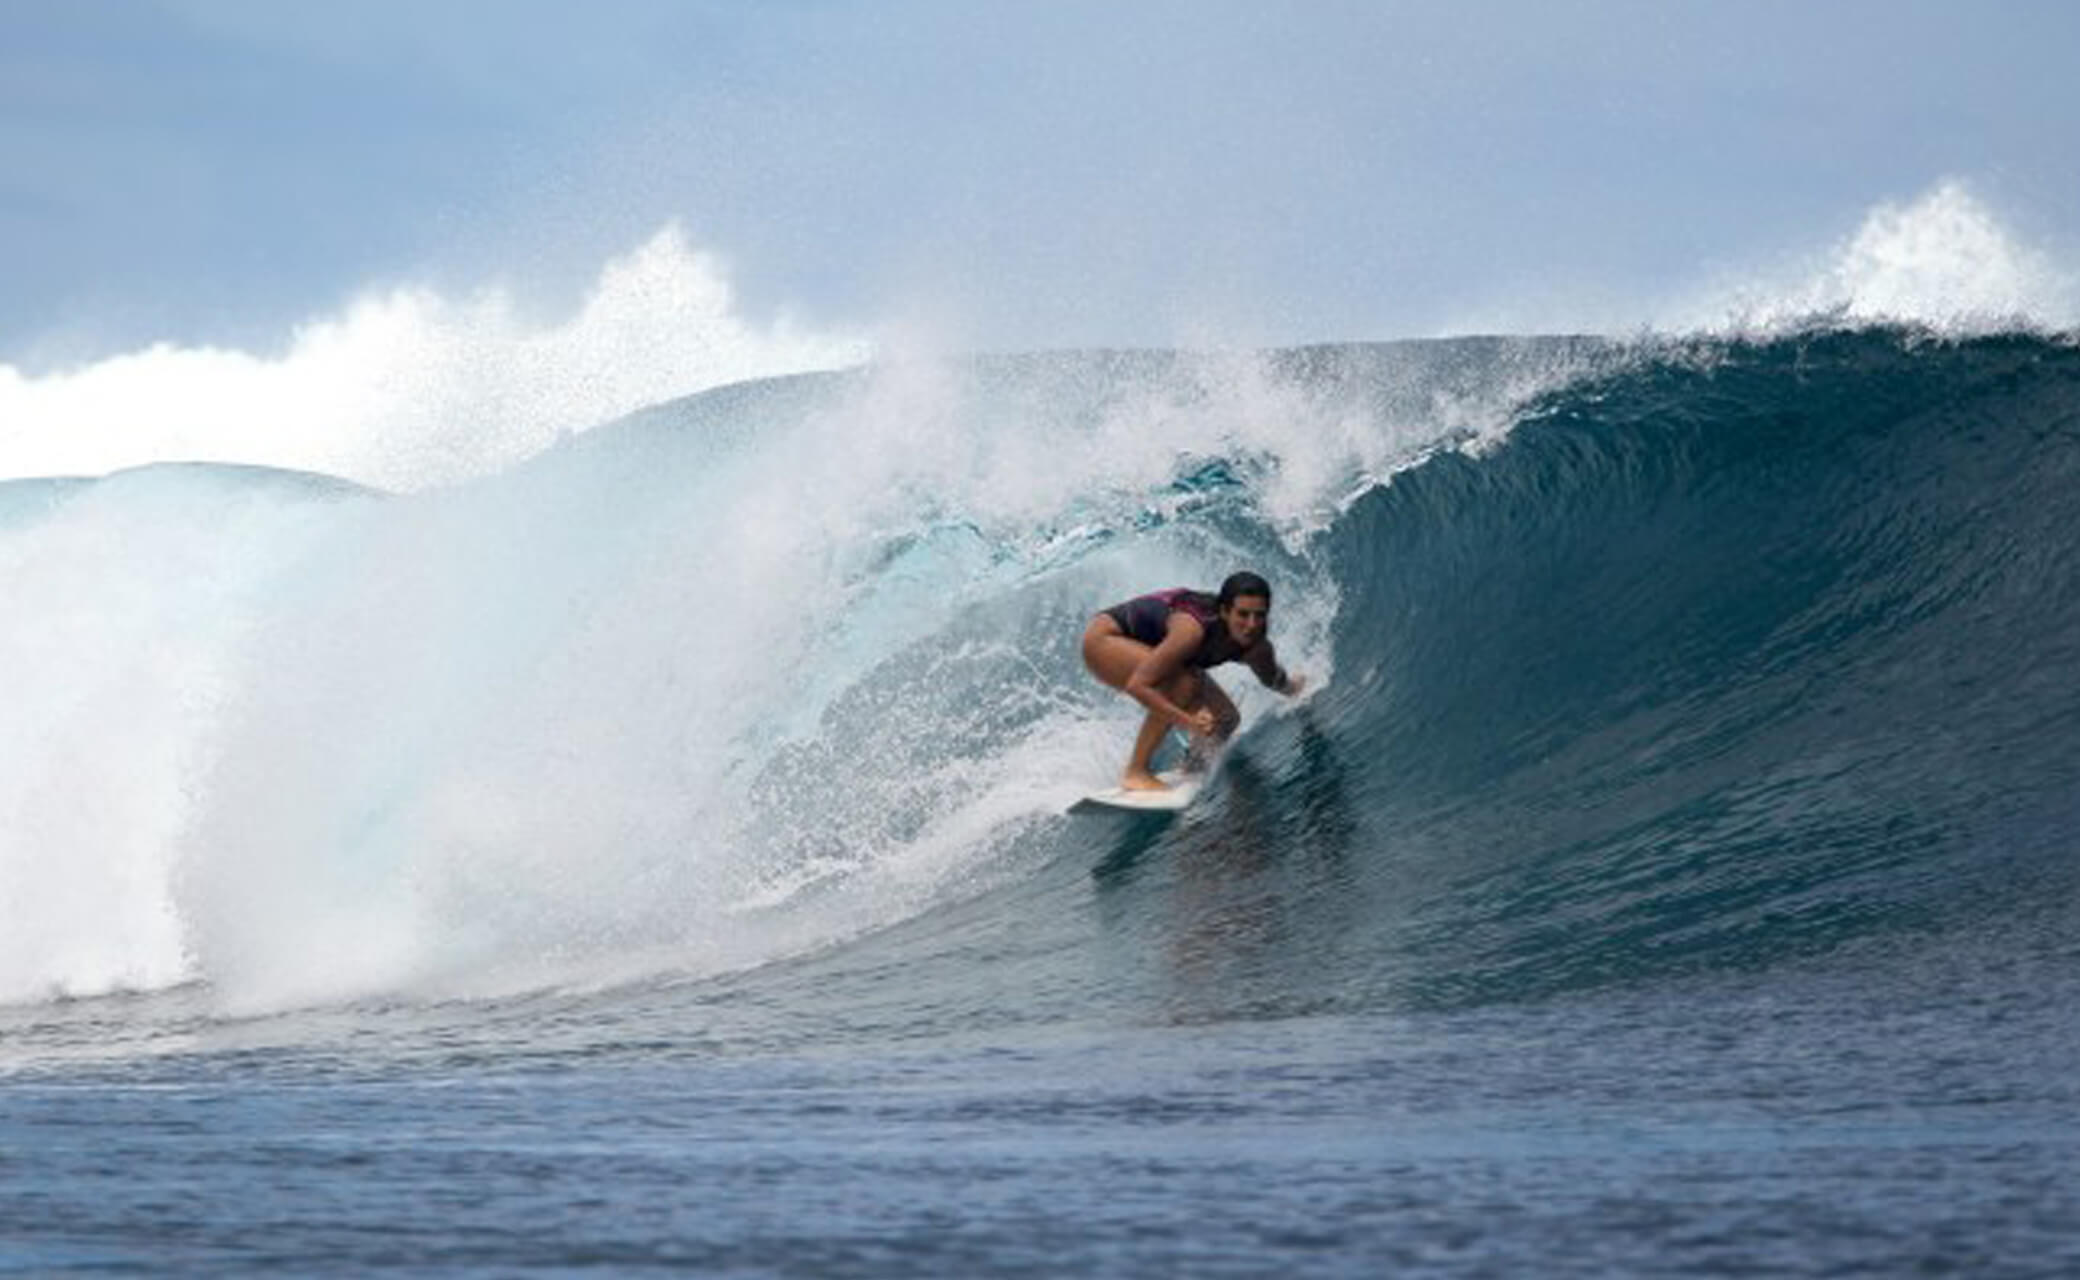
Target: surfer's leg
{"type": "Point", "coordinates": [1139, 777]}
{"type": "Point", "coordinates": [1186, 689]}
{"type": "Point", "coordinates": [1113, 656]}
{"type": "Point", "coordinates": [1190, 689]}
{"type": "Point", "coordinates": [1110, 654]}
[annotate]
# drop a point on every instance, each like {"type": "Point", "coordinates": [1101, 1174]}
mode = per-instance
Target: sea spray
{"type": "Point", "coordinates": [729, 680]}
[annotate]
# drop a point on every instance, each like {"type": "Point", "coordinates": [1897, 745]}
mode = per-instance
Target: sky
{"type": "Point", "coordinates": [194, 192]}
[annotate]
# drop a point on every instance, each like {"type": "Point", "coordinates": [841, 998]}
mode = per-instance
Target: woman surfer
{"type": "Point", "coordinates": [1157, 648]}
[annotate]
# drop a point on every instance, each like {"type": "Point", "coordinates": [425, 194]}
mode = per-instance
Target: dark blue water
{"type": "Point", "coordinates": [1673, 872]}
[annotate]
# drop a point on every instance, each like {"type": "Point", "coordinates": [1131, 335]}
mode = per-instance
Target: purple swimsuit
{"type": "Point", "coordinates": [1147, 619]}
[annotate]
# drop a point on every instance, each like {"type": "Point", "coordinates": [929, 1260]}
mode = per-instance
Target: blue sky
{"type": "Point", "coordinates": [1015, 175]}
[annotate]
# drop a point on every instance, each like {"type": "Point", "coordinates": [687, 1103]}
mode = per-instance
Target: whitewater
{"type": "Point", "coordinates": [593, 807]}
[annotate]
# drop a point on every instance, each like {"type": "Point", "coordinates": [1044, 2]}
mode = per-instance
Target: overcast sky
{"type": "Point", "coordinates": [1015, 174]}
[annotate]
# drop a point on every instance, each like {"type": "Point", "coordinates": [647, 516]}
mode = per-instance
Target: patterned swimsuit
{"type": "Point", "coordinates": [1147, 619]}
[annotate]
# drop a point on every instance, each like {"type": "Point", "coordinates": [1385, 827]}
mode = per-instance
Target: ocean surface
{"type": "Point", "coordinates": [651, 857]}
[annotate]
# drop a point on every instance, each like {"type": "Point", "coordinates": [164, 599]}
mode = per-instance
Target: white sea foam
{"type": "Point", "coordinates": [1945, 260]}
{"type": "Point", "coordinates": [409, 388]}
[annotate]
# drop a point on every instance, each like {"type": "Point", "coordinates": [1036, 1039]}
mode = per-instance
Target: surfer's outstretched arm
{"type": "Point", "coordinates": [1263, 660]}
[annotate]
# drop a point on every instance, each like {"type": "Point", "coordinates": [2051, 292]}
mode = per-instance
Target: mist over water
{"type": "Point", "coordinates": [632, 697]}
{"type": "Point", "coordinates": [1944, 259]}
{"type": "Point", "coordinates": [407, 388]}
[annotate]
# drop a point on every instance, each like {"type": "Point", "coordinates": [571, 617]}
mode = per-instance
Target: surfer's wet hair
{"type": "Point", "coordinates": [1242, 584]}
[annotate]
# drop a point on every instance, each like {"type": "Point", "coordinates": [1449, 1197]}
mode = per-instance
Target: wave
{"type": "Point", "coordinates": [1631, 660]}
{"type": "Point", "coordinates": [1742, 651]}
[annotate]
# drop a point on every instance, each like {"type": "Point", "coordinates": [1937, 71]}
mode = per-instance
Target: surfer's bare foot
{"type": "Point", "coordinates": [1142, 781]}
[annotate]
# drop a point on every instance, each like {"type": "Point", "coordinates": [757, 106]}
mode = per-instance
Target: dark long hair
{"type": "Point", "coordinates": [1244, 583]}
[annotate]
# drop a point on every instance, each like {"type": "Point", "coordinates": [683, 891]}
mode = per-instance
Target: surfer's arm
{"type": "Point", "coordinates": [1263, 659]}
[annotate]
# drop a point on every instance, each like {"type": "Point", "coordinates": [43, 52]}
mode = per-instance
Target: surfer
{"type": "Point", "coordinates": [1157, 648]}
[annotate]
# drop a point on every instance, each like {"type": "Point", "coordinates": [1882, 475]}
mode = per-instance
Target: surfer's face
{"type": "Point", "coordinates": [1245, 618]}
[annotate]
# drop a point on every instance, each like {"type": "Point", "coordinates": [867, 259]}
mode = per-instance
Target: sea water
{"type": "Point", "coordinates": [651, 857]}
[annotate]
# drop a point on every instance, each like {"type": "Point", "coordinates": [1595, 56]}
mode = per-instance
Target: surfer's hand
{"type": "Point", "coordinates": [1294, 684]}
{"type": "Point", "coordinates": [1200, 722]}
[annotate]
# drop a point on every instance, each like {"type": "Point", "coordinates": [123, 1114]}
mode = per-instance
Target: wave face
{"type": "Point", "coordinates": [1630, 662]}
{"type": "Point", "coordinates": [1742, 652]}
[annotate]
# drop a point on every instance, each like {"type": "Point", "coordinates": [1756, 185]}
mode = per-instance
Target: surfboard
{"type": "Point", "coordinates": [1184, 788]}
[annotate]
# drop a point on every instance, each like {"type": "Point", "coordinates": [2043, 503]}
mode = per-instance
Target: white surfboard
{"type": "Point", "coordinates": [1184, 788]}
